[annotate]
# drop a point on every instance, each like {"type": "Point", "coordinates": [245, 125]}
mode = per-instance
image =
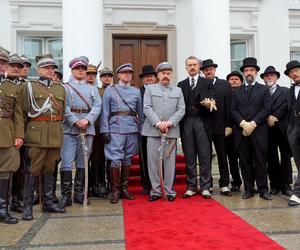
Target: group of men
{"type": "Point", "coordinates": [44, 122]}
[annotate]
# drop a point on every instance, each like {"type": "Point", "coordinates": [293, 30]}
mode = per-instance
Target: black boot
{"type": "Point", "coordinates": [36, 199]}
{"type": "Point", "coordinates": [103, 191]}
{"type": "Point", "coordinates": [124, 183]}
{"type": "Point", "coordinates": [115, 184]}
{"type": "Point", "coordinates": [55, 199]}
{"type": "Point", "coordinates": [16, 205]}
{"type": "Point", "coordinates": [4, 215]}
{"type": "Point", "coordinates": [79, 186]}
{"type": "Point", "coordinates": [48, 205]}
{"type": "Point", "coordinates": [30, 182]}
{"type": "Point", "coordinates": [66, 188]}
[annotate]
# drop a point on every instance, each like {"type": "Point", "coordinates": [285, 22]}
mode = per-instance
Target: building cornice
{"type": "Point", "coordinates": [39, 3]}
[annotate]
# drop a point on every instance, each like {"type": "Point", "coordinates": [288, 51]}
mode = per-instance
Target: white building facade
{"type": "Point", "coordinates": [224, 30]}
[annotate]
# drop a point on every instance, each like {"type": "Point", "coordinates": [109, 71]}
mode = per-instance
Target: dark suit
{"type": "Point", "coordinates": [254, 106]}
{"type": "Point", "coordinates": [143, 156]}
{"type": "Point", "coordinates": [196, 132]}
{"type": "Point", "coordinates": [293, 132]}
{"type": "Point", "coordinates": [280, 172]}
{"type": "Point", "coordinates": [222, 119]}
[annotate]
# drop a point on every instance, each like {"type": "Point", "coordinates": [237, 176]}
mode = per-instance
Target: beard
{"type": "Point", "coordinates": [250, 79]}
{"type": "Point", "coordinates": [270, 84]}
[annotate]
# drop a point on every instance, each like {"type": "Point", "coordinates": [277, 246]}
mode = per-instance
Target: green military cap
{"type": "Point", "coordinates": [26, 60]}
{"type": "Point", "coordinates": [45, 60]}
{"type": "Point", "coordinates": [4, 54]}
{"type": "Point", "coordinates": [15, 59]}
{"type": "Point", "coordinates": [106, 71]}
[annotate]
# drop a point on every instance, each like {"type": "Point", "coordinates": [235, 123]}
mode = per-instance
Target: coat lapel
{"type": "Point", "coordinates": [253, 92]}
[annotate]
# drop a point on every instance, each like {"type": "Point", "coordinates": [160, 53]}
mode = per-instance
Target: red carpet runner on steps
{"type": "Point", "coordinates": [195, 223]}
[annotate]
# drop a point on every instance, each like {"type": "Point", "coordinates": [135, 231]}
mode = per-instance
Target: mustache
{"type": "Point", "coordinates": [166, 78]}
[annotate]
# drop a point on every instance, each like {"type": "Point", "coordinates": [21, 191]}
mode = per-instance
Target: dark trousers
{"type": "Point", "coordinates": [143, 164]}
{"type": "Point", "coordinates": [18, 177]}
{"type": "Point", "coordinates": [220, 146]}
{"type": "Point", "coordinates": [280, 172]}
{"type": "Point", "coordinates": [196, 143]}
{"type": "Point", "coordinates": [233, 158]}
{"type": "Point", "coordinates": [294, 140]}
{"type": "Point", "coordinates": [254, 164]}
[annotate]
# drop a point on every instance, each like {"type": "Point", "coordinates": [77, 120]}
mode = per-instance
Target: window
{"type": "Point", "coordinates": [238, 51]}
{"type": "Point", "coordinates": [295, 55]}
{"type": "Point", "coordinates": [34, 46]}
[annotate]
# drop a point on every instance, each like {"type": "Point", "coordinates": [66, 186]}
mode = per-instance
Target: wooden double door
{"type": "Point", "coordinates": [138, 51]}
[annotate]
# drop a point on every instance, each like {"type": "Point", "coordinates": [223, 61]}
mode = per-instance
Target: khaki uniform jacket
{"type": "Point", "coordinates": [44, 134]}
{"type": "Point", "coordinates": [10, 102]}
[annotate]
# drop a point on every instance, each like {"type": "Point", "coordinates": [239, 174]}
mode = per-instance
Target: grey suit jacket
{"type": "Point", "coordinates": [163, 104]}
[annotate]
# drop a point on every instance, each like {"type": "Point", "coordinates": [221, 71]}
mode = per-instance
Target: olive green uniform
{"type": "Point", "coordinates": [44, 134]}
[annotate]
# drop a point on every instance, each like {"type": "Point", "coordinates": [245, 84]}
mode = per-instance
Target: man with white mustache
{"type": "Point", "coordinates": [279, 172]}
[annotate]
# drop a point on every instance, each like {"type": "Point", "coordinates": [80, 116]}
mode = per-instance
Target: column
{"type": "Point", "coordinates": [273, 36]}
{"type": "Point", "coordinates": [82, 31]}
{"type": "Point", "coordinates": [211, 32]}
{"type": "Point", "coordinates": [5, 21]}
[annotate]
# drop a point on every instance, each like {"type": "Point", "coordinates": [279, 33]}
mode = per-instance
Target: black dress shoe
{"type": "Point", "coordinates": [226, 193]}
{"type": "Point", "coordinates": [293, 203]}
{"type": "Point", "coordinates": [266, 196]}
{"type": "Point", "coordinates": [154, 198]}
{"type": "Point", "coordinates": [171, 198]}
{"type": "Point", "coordinates": [274, 191]}
{"type": "Point", "coordinates": [247, 195]}
{"type": "Point", "coordinates": [235, 188]}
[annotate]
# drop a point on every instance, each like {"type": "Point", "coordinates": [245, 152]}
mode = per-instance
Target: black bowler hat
{"type": "Point", "coordinates": [291, 65]}
{"type": "Point", "coordinates": [270, 70]}
{"type": "Point", "coordinates": [208, 63]}
{"type": "Point", "coordinates": [249, 62]}
{"type": "Point", "coordinates": [148, 70]}
{"type": "Point", "coordinates": [235, 73]}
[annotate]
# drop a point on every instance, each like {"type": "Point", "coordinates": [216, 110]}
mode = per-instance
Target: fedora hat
{"type": "Point", "coordinates": [250, 62]}
{"type": "Point", "coordinates": [270, 70]}
{"type": "Point", "coordinates": [208, 63]}
{"type": "Point", "coordinates": [148, 70]}
{"type": "Point", "coordinates": [291, 65]}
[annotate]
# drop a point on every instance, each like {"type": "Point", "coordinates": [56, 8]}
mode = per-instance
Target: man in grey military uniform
{"type": "Point", "coordinates": [83, 106]}
{"type": "Point", "coordinates": [120, 122]}
{"type": "Point", "coordinates": [164, 107]}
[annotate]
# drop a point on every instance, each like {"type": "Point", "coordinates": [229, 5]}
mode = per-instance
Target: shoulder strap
{"type": "Point", "coordinates": [80, 95]}
{"type": "Point", "coordinates": [123, 100]}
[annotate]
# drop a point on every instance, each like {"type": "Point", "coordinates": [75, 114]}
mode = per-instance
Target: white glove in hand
{"type": "Point", "coordinates": [271, 120]}
{"type": "Point", "coordinates": [228, 131]}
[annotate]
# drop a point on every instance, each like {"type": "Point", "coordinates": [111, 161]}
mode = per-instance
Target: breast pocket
{"type": "Point", "coordinates": [33, 134]}
{"type": "Point", "coordinates": [173, 99]}
{"type": "Point", "coordinates": [9, 100]}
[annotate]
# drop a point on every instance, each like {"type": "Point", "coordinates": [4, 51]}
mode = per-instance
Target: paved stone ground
{"type": "Point", "coordinates": [100, 225]}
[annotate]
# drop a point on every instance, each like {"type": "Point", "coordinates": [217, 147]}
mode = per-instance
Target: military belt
{"type": "Point", "coordinates": [6, 114]}
{"type": "Point", "coordinates": [122, 113]}
{"type": "Point", "coordinates": [78, 110]}
{"type": "Point", "coordinates": [52, 118]}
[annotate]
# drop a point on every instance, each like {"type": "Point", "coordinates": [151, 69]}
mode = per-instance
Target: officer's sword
{"type": "Point", "coordinates": [86, 169]}
{"type": "Point", "coordinates": [160, 169]}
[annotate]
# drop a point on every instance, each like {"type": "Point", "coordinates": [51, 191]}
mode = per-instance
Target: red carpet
{"type": "Point", "coordinates": [187, 224]}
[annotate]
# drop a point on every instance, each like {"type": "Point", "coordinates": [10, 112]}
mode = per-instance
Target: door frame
{"type": "Point", "coordinates": [140, 29]}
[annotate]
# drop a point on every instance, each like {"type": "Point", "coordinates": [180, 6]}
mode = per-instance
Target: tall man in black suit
{"type": "Point", "coordinates": [221, 121]}
{"type": "Point", "coordinates": [280, 172]}
{"type": "Point", "coordinates": [196, 127]}
{"type": "Point", "coordinates": [293, 72]}
{"type": "Point", "coordinates": [148, 76]}
{"type": "Point", "coordinates": [235, 79]}
{"type": "Point", "coordinates": [250, 108]}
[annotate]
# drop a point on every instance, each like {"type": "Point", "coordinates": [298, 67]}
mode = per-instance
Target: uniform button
{"type": "Point", "coordinates": [0, 91]}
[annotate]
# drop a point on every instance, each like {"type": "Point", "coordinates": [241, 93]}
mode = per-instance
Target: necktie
{"type": "Point", "coordinates": [193, 83]}
{"type": "Point", "coordinates": [249, 89]}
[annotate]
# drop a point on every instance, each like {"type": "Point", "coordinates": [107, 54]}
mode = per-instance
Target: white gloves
{"type": "Point", "coordinates": [248, 127]}
{"type": "Point", "coordinates": [228, 131]}
{"type": "Point", "coordinates": [271, 120]}
{"type": "Point", "coordinates": [209, 104]}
